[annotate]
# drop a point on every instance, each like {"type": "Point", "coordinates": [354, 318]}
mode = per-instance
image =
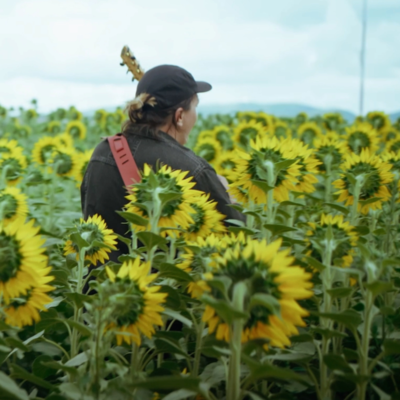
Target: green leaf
{"type": "Point", "coordinates": [179, 317]}
{"type": "Point", "coordinates": [181, 394]}
{"type": "Point", "coordinates": [362, 230]}
{"type": "Point", "coordinates": [315, 263]}
{"type": "Point", "coordinates": [328, 333]}
{"type": "Point", "coordinates": [173, 299]}
{"type": "Point", "coordinates": [78, 299]}
{"type": "Point", "coordinates": [262, 185]}
{"type": "Point", "coordinates": [165, 345]}
{"type": "Point", "coordinates": [283, 165]}
{"type": "Point", "coordinates": [291, 203]}
{"type": "Point", "coordinates": [123, 239]}
{"type": "Point", "coordinates": [21, 373]}
{"type": "Point", "coordinates": [168, 383]}
{"type": "Point", "coordinates": [10, 390]}
{"type": "Point", "coordinates": [78, 360]}
{"type": "Point", "coordinates": [301, 338]}
{"type": "Point", "coordinates": [277, 229]}
{"type": "Point", "coordinates": [39, 369]}
{"type": "Point", "coordinates": [150, 239]}
{"type": "Point", "coordinates": [292, 357]}
{"type": "Point", "coordinates": [337, 362]}
{"type": "Point", "coordinates": [351, 178]}
{"type": "Point", "coordinates": [266, 300]}
{"type": "Point", "coordinates": [55, 365]}
{"type": "Point", "coordinates": [237, 229]}
{"type": "Point", "coordinates": [167, 197]}
{"type": "Point", "coordinates": [171, 271]}
{"type": "Point", "coordinates": [225, 310]}
{"type": "Point", "coordinates": [338, 293]}
{"type": "Point", "coordinates": [79, 241]}
{"type": "Point", "coordinates": [379, 287]}
{"type": "Point", "coordinates": [134, 219]}
{"type": "Point", "coordinates": [349, 318]}
{"type": "Point", "coordinates": [84, 330]}
{"type": "Point", "coordinates": [221, 283]}
{"type": "Point", "coordinates": [391, 347]}
{"type": "Point", "coordinates": [369, 201]}
{"type": "Point", "coordinates": [270, 371]}
{"type": "Point", "coordinates": [337, 207]}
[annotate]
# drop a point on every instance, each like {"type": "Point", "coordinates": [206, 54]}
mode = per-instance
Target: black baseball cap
{"type": "Point", "coordinates": [170, 85]}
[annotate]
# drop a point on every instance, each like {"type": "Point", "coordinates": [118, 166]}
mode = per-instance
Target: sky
{"type": "Point", "coordinates": [67, 52]}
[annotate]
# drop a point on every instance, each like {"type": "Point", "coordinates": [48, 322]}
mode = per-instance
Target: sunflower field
{"type": "Point", "coordinates": [299, 302]}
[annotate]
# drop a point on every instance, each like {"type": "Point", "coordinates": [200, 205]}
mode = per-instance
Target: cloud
{"type": "Point", "coordinates": [67, 52]}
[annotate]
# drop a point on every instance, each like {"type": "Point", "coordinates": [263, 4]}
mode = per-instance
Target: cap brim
{"type": "Point", "coordinates": [203, 87]}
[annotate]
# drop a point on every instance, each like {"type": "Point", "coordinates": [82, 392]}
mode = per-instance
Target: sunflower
{"type": "Point", "coordinates": [10, 147]}
{"type": "Point", "coordinates": [379, 120]}
{"type": "Point", "coordinates": [64, 161]}
{"type": "Point", "coordinates": [64, 140]}
{"type": "Point", "coordinates": [244, 132]}
{"type": "Point", "coordinates": [209, 149]}
{"type": "Point", "coordinates": [308, 132]}
{"type": "Point", "coordinates": [301, 118]}
{"type": "Point", "coordinates": [223, 133]}
{"type": "Point", "coordinates": [387, 134]}
{"type": "Point", "coordinates": [22, 258]}
{"type": "Point", "coordinates": [372, 172]}
{"type": "Point", "coordinates": [3, 112]}
{"type": "Point", "coordinates": [265, 120]}
{"type": "Point", "coordinates": [142, 311]}
{"type": "Point", "coordinates": [308, 166]}
{"type": "Point", "coordinates": [94, 229]}
{"type": "Point", "coordinates": [343, 234]}
{"type": "Point", "coordinates": [43, 149]}
{"type": "Point", "coordinates": [84, 159]}
{"type": "Point", "coordinates": [174, 213]}
{"type": "Point", "coordinates": [119, 116]}
{"type": "Point", "coordinates": [13, 205]}
{"type": "Point", "coordinates": [31, 114]}
{"type": "Point", "coordinates": [332, 121]}
{"type": "Point", "coordinates": [281, 130]}
{"type": "Point", "coordinates": [393, 145]}
{"type": "Point", "coordinates": [266, 272]}
{"type": "Point", "coordinates": [74, 114]}
{"type": "Point", "coordinates": [205, 135]}
{"type": "Point", "coordinates": [24, 309]}
{"type": "Point", "coordinates": [100, 117]}
{"type": "Point", "coordinates": [246, 116]}
{"type": "Point", "coordinates": [53, 127]}
{"type": "Point", "coordinates": [206, 218]}
{"type": "Point", "coordinates": [328, 150]}
{"type": "Point", "coordinates": [361, 136]}
{"type": "Point", "coordinates": [76, 129]}
{"type": "Point", "coordinates": [394, 160]}
{"type": "Point", "coordinates": [227, 162]}
{"type": "Point", "coordinates": [15, 165]}
{"type": "Point", "coordinates": [22, 130]}
{"type": "Point", "coordinates": [253, 167]}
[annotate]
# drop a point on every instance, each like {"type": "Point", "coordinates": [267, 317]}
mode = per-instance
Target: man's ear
{"type": "Point", "coordinates": [179, 116]}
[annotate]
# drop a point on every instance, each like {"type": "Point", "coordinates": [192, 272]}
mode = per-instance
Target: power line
{"type": "Point", "coordinates": [362, 55]}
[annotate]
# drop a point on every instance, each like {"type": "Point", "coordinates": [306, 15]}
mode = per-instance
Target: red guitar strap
{"type": "Point", "coordinates": [124, 159]}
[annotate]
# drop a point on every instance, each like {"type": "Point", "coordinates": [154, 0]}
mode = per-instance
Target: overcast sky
{"type": "Point", "coordinates": [67, 52]}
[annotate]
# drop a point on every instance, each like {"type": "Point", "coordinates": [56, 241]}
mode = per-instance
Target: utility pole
{"type": "Point", "coordinates": [362, 55]}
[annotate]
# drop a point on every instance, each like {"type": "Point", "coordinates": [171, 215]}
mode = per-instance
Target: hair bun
{"type": "Point", "coordinates": [135, 107]}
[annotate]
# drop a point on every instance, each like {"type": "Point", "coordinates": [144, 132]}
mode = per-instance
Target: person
{"type": "Point", "coordinates": [160, 120]}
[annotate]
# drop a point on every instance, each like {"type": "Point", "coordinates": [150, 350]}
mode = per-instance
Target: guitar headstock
{"type": "Point", "coordinates": [132, 63]}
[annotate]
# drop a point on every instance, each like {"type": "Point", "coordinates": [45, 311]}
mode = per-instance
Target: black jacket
{"type": "Point", "coordinates": [103, 192]}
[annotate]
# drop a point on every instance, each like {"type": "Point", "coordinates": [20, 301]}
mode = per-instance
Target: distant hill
{"type": "Point", "coordinates": [280, 110]}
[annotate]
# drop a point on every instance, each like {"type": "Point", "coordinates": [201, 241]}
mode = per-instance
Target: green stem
{"type": "Point", "coordinates": [197, 353]}
{"type": "Point", "coordinates": [363, 351]}
{"type": "Point", "coordinates": [356, 197]}
{"type": "Point", "coordinates": [233, 381]}
{"type": "Point", "coordinates": [270, 197]}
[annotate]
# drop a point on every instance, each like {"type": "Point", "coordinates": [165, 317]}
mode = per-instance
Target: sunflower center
{"type": "Point", "coordinates": [280, 131]}
{"type": "Point", "coordinates": [325, 151]}
{"type": "Point", "coordinates": [21, 300]}
{"type": "Point", "coordinates": [9, 205]}
{"type": "Point", "coordinates": [308, 136]}
{"type": "Point", "coordinates": [198, 218]}
{"type": "Point", "coordinates": [10, 258]}
{"type": "Point", "coordinates": [45, 152]}
{"type": "Point", "coordinates": [14, 169]}
{"type": "Point", "coordinates": [395, 146]}
{"type": "Point", "coordinates": [207, 151]}
{"type": "Point", "coordinates": [371, 184]}
{"type": "Point", "coordinates": [62, 163]}
{"type": "Point", "coordinates": [75, 132]}
{"type": "Point", "coordinates": [130, 310]}
{"type": "Point", "coordinates": [228, 164]}
{"type": "Point", "coordinates": [246, 135]}
{"type": "Point", "coordinates": [357, 141]}
{"type": "Point", "coordinates": [89, 232]}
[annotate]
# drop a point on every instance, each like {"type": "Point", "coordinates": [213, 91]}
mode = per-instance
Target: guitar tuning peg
{"type": "Point", "coordinates": [127, 70]}
{"type": "Point", "coordinates": [133, 79]}
{"type": "Point", "coordinates": [122, 64]}
{"type": "Point", "coordinates": [133, 58]}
